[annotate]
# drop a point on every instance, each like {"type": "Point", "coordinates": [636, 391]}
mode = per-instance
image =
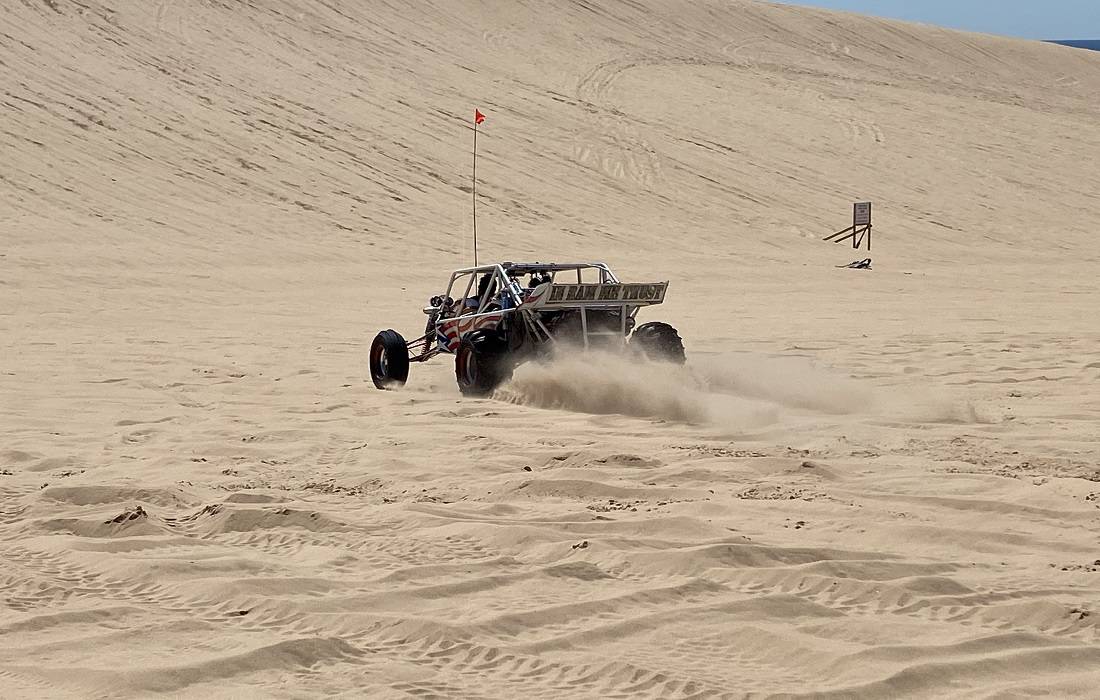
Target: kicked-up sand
{"type": "Point", "coordinates": [878, 483]}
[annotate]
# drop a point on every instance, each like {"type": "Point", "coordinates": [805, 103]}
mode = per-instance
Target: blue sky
{"type": "Point", "coordinates": [1032, 19]}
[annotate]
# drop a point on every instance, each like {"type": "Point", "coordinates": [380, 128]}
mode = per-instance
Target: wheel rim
{"type": "Point", "coordinates": [380, 367]}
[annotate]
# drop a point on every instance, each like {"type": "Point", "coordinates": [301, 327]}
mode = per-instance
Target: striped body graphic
{"type": "Point", "coordinates": [449, 334]}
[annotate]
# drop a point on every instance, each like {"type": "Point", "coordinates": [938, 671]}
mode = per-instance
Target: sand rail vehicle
{"type": "Point", "coordinates": [494, 317]}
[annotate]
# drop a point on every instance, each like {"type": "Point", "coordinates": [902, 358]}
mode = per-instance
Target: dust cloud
{"type": "Point", "coordinates": [733, 390]}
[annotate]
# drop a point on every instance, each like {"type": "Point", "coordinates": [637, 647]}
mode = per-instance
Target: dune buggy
{"type": "Point", "coordinates": [494, 317]}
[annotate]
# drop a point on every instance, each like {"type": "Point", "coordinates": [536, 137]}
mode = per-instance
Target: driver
{"type": "Point", "coordinates": [472, 304]}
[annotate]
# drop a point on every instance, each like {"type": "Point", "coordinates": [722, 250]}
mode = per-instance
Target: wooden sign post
{"type": "Point", "coordinates": [860, 228]}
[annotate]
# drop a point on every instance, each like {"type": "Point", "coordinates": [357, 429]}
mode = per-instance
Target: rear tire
{"type": "Point", "coordinates": [659, 342]}
{"type": "Point", "coordinates": [481, 363]}
{"type": "Point", "coordinates": [389, 360]}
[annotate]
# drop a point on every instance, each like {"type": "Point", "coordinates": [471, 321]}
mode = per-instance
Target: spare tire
{"type": "Point", "coordinates": [481, 363]}
{"type": "Point", "coordinates": [389, 360]}
{"type": "Point", "coordinates": [659, 342]}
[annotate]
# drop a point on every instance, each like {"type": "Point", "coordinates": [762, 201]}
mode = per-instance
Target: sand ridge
{"type": "Point", "coordinates": [864, 483]}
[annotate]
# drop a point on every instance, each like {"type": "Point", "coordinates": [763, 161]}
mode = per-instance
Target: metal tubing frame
{"type": "Point", "coordinates": [500, 272]}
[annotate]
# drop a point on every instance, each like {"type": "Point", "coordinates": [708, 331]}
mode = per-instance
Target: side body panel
{"type": "Point", "coordinates": [449, 333]}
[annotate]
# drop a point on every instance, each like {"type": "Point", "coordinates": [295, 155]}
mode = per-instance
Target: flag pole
{"type": "Point", "coordinates": [475, 188]}
{"type": "Point", "coordinates": [478, 118]}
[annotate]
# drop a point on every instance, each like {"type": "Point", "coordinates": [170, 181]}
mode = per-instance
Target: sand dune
{"type": "Point", "coordinates": [863, 484]}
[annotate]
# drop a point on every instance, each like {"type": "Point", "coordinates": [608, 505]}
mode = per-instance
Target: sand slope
{"type": "Point", "coordinates": [870, 484]}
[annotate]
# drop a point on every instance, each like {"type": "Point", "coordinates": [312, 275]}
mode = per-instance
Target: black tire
{"type": "Point", "coordinates": [659, 342]}
{"type": "Point", "coordinates": [482, 363]}
{"type": "Point", "coordinates": [389, 360]}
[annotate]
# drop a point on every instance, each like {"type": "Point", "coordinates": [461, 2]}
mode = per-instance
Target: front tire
{"type": "Point", "coordinates": [659, 342]}
{"type": "Point", "coordinates": [389, 360]}
{"type": "Point", "coordinates": [481, 363]}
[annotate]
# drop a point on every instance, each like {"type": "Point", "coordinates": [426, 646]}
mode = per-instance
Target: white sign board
{"type": "Point", "coordinates": [862, 216]}
{"type": "Point", "coordinates": [605, 294]}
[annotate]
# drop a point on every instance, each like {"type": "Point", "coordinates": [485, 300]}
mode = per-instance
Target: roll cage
{"type": "Point", "coordinates": [497, 283]}
{"type": "Point", "coordinates": [483, 295]}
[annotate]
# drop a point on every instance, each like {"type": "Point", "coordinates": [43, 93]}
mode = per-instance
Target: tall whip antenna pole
{"type": "Point", "coordinates": [478, 118]}
{"type": "Point", "coordinates": [475, 194]}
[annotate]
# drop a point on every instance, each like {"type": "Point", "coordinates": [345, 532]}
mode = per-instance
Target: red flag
{"type": "Point", "coordinates": [478, 117]}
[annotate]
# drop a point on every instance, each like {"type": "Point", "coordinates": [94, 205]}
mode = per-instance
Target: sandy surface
{"type": "Point", "coordinates": [870, 484]}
